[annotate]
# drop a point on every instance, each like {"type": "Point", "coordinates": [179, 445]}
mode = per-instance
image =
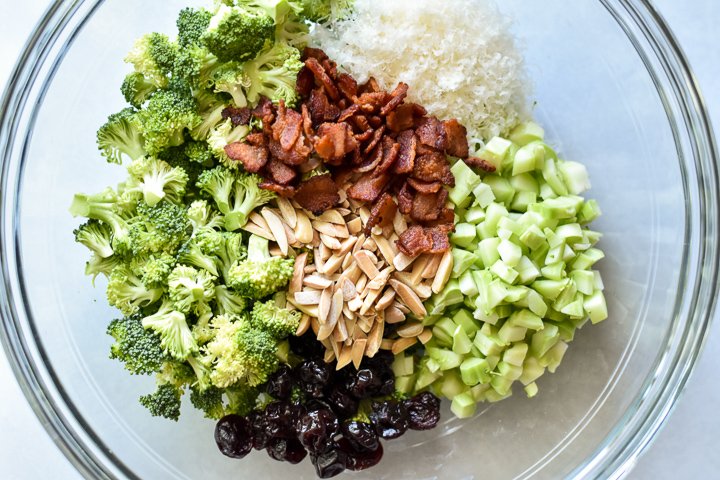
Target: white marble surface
{"type": "Point", "coordinates": [686, 447]}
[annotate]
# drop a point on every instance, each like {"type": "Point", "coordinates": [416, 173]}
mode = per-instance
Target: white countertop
{"type": "Point", "coordinates": [685, 448]}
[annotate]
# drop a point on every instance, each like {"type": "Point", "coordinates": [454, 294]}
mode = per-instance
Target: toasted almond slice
{"type": "Point", "coordinates": [326, 330]}
{"type": "Point", "coordinates": [424, 290]}
{"type": "Point", "coordinates": [377, 230]}
{"type": "Point", "coordinates": [290, 234]}
{"type": "Point", "coordinates": [348, 289]}
{"type": "Point", "coordinates": [346, 245]}
{"type": "Point", "coordinates": [364, 214]}
{"type": "Point", "coordinates": [402, 344]}
{"type": "Point", "coordinates": [258, 220]}
{"type": "Point", "coordinates": [331, 229]}
{"type": "Point", "coordinates": [333, 264]}
{"type": "Point", "coordinates": [274, 250]}
{"type": "Point", "coordinates": [425, 336]}
{"type": "Point", "coordinates": [344, 212]}
{"type": "Point", "coordinates": [375, 338]}
{"type": "Point", "coordinates": [418, 267]}
{"type": "Point", "coordinates": [303, 326]}
{"type": "Point", "coordinates": [324, 305]}
{"type": "Point", "coordinates": [303, 228]}
{"type": "Point", "coordinates": [307, 297]}
{"type": "Point", "coordinates": [360, 285]}
{"type": "Point", "coordinates": [347, 261]}
{"type": "Point", "coordinates": [443, 272]}
{"type": "Point", "coordinates": [385, 249]}
{"type": "Point", "coordinates": [402, 261]}
{"type": "Point", "coordinates": [369, 301]}
{"type": "Point", "coordinates": [353, 273]}
{"type": "Point", "coordinates": [336, 348]}
{"type": "Point", "coordinates": [315, 239]}
{"type": "Point", "coordinates": [345, 357]}
{"type": "Point", "coordinates": [410, 329]}
{"type": "Point", "coordinates": [410, 298]}
{"type": "Point", "coordinates": [324, 251]}
{"type": "Point", "coordinates": [332, 216]}
{"type": "Point", "coordinates": [319, 262]}
{"type": "Point", "coordinates": [329, 356]}
{"type": "Point", "coordinates": [367, 263]}
{"type": "Point", "coordinates": [399, 223]}
{"type": "Point", "coordinates": [298, 273]}
{"type": "Point", "coordinates": [401, 306]}
{"type": "Point", "coordinates": [386, 300]}
{"type": "Point", "coordinates": [317, 281]}
{"type": "Point", "coordinates": [358, 243]}
{"type": "Point", "coordinates": [309, 269]}
{"type": "Point", "coordinates": [311, 310]}
{"type": "Point", "coordinates": [369, 245]}
{"type": "Point", "coordinates": [287, 211]}
{"type": "Point", "coordinates": [394, 314]}
{"type": "Point", "coordinates": [365, 323]}
{"type": "Point", "coordinates": [432, 266]}
{"type": "Point", "coordinates": [341, 329]}
{"type": "Point", "coordinates": [355, 304]}
{"type": "Point", "coordinates": [314, 324]}
{"type": "Point", "coordinates": [354, 226]}
{"type": "Point", "coordinates": [259, 231]}
{"type": "Point", "coordinates": [381, 279]}
{"type": "Point", "coordinates": [358, 351]}
{"type": "Point", "coordinates": [336, 306]}
{"type": "Point", "coordinates": [331, 242]}
{"type": "Point", "coordinates": [386, 344]}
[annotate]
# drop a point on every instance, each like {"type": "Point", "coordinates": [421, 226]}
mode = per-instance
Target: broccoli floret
{"type": "Point", "coordinates": [189, 287]}
{"type": "Point", "coordinates": [238, 33]}
{"type": "Point", "coordinates": [236, 194]}
{"type": "Point", "coordinates": [232, 251]}
{"type": "Point", "coordinates": [100, 266]}
{"type": "Point", "coordinates": [104, 207]}
{"type": "Point", "coordinates": [260, 275]}
{"type": "Point", "coordinates": [241, 399]}
{"type": "Point", "coordinates": [128, 293]}
{"type": "Point", "coordinates": [201, 250]}
{"type": "Point", "coordinates": [157, 179]}
{"type": "Point", "coordinates": [229, 302]}
{"type": "Point", "coordinates": [280, 322]}
{"type": "Point", "coordinates": [202, 215]}
{"type": "Point", "coordinates": [209, 401]}
{"type": "Point", "coordinates": [223, 135]}
{"type": "Point", "coordinates": [137, 89]}
{"type": "Point", "coordinates": [168, 113]}
{"type": "Point", "coordinates": [290, 25]}
{"type": "Point", "coordinates": [137, 348]}
{"type": "Point", "coordinates": [162, 228]}
{"type": "Point", "coordinates": [199, 152]}
{"type": "Point", "coordinates": [175, 336]}
{"type": "Point", "coordinates": [164, 402]}
{"type": "Point", "coordinates": [273, 74]}
{"type": "Point", "coordinates": [259, 353]}
{"type": "Point", "coordinates": [323, 10]}
{"type": "Point", "coordinates": [191, 25]}
{"type": "Point", "coordinates": [96, 236]}
{"type": "Point", "coordinates": [153, 55]}
{"type": "Point", "coordinates": [231, 79]}
{"type": "Point", "coordinates": [210, 106]}
{"type": "Point", "coordinates": [153, 269]}
{"type": "Point", "coordinates": [196, 65]}
{"type": "Point", "coordinates": [120, 135]}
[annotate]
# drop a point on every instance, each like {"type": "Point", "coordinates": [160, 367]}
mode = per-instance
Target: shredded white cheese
{"type": "Point", "coordinates": [458, 57]}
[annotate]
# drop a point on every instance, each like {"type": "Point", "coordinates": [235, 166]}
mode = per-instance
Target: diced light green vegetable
{"type": "Point", "coordinates": [464, 235]}
{"type": "Point", "coordinates": [463, 405]}
{"type": "Point", "coordinates": [527, 132]}
{"type": "Point", "coordinates": [494, 152]}
{"type": "Point", "coordinates": [403, 365]}
{"type": "Point", "coordinates": [531, 390]}
{"type": "Point", "coordinates": [465, 181]}
{"type": "Point", "coordinates": [474, 371]}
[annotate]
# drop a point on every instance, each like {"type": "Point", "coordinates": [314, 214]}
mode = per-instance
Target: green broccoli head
{"type": "Point", "coordinates": [159, 229]}
{"type": "Point", "coordinates": [153, 268]}
{"type": "Point", "coordinates": [137, 348]}
{"type": "Point", "coordinates": [238, 33]}
{"type": "Point", "coordinates": [210, 106]}
{"type": "Point", "coordinates": [232, 251]}
{"type": "Point", "coordinates": [96, 236]}
{"type": "Point", "coordinates": [320, 11]}
{"type": "Point", "coordinates": [199, 152]}
{"type": "Point", "coordinates": [231, 79]}
{"type": "Point", "coordinates": [192, 24]}
{"type": "Point", "coordinates": [168, 113]}
{"type": "Point", "coordinates": [221, 136]}
{"type": "Point", "coordinates": [229, 302]}
{"type": "Point", "coordinates": [175, 335]}
{"type": "Point", "coordinates": [280, 322]}
{"type": "Point", "coordinates": [242, 399]}
{"type": "Point", "coordinates": [127, 292]}
{"type": "Point", "coordinates": [164, 402]}
{"type": "Point", "coordinates": [273, 74]}
{"type": "Point", "coordinates": [260, 275]}
{"type": "Point", "coordinates": [157, 179]}
{"type": "Point", "coordinates": [258, 350]}
{"type": "Point", "coordinates": [190, 287]}
{"type": "Point", "coordinates": [202, 215]}
{"type": "Point", "coordinates": [120, 135]}
{"type": "Point", "coordinates": [101, 266]}
{"type": "Point", "coordinates": [199, 253]}
{"type": "Point", "coordinates": [153, 55]}
{"type": "Point", "coordinates": [137, 89]}
{"type": "Point", "coordinates": [209, 401]}
{"type": "Point", "coordinates": [105, 207]}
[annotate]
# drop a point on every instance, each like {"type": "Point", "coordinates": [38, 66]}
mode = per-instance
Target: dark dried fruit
{"type": "Point", "coordinates": [342, 402]}
{"type": "Point", "coordinates": [286, 450]}
{"type": "Point", "coordinates": [361, 459]}
{"type": "Point", "coordinates": [316, 430]}
{"type": "Point", "coordinates": [389, 418]}
{"type": "Point", "coordinates": [233, 435]}
{"type": "Point", "coordinates": [365, 383]}
{"type": "Point", "coordinates": [330, 463]}
{"type": "Point", "coordinates": [423, 411]}
{"type": "Point", "coordinates": [280, 384]}
{"type": "Point", "coordinates": [361, 435]}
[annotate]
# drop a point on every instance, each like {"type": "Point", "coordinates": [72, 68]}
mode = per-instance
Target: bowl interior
{"type": "Point", "coordinates": [599, 106]}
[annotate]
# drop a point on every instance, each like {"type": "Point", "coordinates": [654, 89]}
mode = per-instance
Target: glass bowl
{"type": "Point", "coordinates": [613, 91]}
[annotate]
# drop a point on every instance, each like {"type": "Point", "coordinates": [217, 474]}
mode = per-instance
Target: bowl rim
{"type": "Point", "coordinates": [615, 456]}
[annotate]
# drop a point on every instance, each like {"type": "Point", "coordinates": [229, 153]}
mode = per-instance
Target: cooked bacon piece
{"type": "Point", "coordinates": [347, 86]}
{"type": "Point", "coordinates": [316, 53]}
{"type": "Point", "coordinates": [265, 111]}
{"type": "Point", "coordinates": [287, 127]}
{"type": "Point", "coordinates": [440, 240]}
{"type": "Point", "coordinates": [305, 82]}
{"type": "Point", "coordinates": [431, 132]}
{"type": "Point", "coordinates": [330, 68]}
{"type": "Point", "coordinates": [282, 190]}
{"type": "Point", "coordinates": [405, 199]}
{"type": "Point", "coordinates": [406, 156]}
{"type": "Point", "coordinates": [424, 187]}
{"type": "Point", "coordinates": [348, 112]}
{"type": "Point", "coordinates": [370, 163]}
{"type": "Point", "coordinates": [445, 221]}
{"type": "Point", "coordinates": [364, 136]}
{"type": "Point", "coordinates": [433, 167]}
{"type": "Point", "coordinates": [307, 122]}
{"type": "Point", "coordinates": [426, 207]}
{"type": "Point", "coordinates": [317, 194]}
{"type": "Point", "coordinates": [372, 102]}
{"type": "Point", "coordinates": [280, 172]}
{"type": "Point", "coordinates": [480, 163]}
{"type": "Point", "coordinates": [457, 142]}
{"type": "Point", "coordinates": [390, 151]}
{"type": "Point", "coordinates": [253, 158]}
{"type": "Point", "coordinates": [375, 121]}
{"type": "Point", "coordinates": [376, 138]}
{"type": "Point", "coordinates": [238, 116]}
{"type": "Point", "coordinates": [368, 187]}
{"type": "Point", "coordinates": [414, 241]}
{"type": "Point", "coordinates": [256, 139]}
{"type": "Point", "coordinates": [382, 212]}
{"type": "Point", "coordinates": [335, 140]}
{"type": "Point", "coordinates": [398, 96]}
{"type": "Point", "coordinates": [402, 118]}
{"type": "Point", "coordinates": [322, 78]}
{"type": "Point", "coordinates": [369, 87]}
{"type": "Point", "coordinates": [298, 155]}
{"type": "Point", "coordinates": [361, 122]}
{"type": "Point", "coordinates": [321, 110]}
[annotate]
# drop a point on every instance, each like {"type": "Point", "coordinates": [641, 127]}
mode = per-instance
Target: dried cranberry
{"type": "Point", "coordinates": [342, 402]}
{"type": "Point", "coordinates": [360, 434]}
{"type": "Point", "coordinates": [306, 346]}
{"type": "Point", "coordinates": [233, 435]}
{"type": "Point", "coordinates": [360, 459]}
{"type": "Point", "coordinates": [314, 376]}
{"type": "Point", "coordinates": [330, 463]}
{"type": "Point", "coordinates": [316, 429]}
{"type": "Point", "coordinates": [259, 430]}
{"type": "Point", "coordinates": [423, 411]}
{"type": "Point", "coordinates": [286, 450]}
{"type": "Point", "coordinates": [389, 418]}
{"type": "Point", "coordinates": [365, 383]}
{"type": "Point", "coordinates": [279, 418]}
{"type": "Point", "coordinates": [280, 384]}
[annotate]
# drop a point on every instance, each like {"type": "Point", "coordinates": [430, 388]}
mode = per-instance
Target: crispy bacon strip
{"type": "Point", "coordinates": [317, 194]}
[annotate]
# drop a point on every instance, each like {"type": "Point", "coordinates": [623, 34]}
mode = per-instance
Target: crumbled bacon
{"type": "Point", "coordinates": [317, 194]}
{"type": "Point", "coordinates": [376, 138]}
{"type": "Point", "coordinates": [238, 116]}
{"type": "Point", "coordinates": [445, 221]}
{"type": "Point", "coordinates": [282, 190]}
{"type": "Point", "coordinates": [390, 151]}
{"type": "Point", "coordinates": [431, 132]}
{"type": "Point", "coordinates": [253, 158]}
{"type": "Point", "coordinates": [335, 140]}
{"type": "Point", "coordinates": [322, 78]}
{"type": "Point", "coordinates": [382, 212]}
{"type": "Point", "coordinates": [347, 86]}
{"type": "Point", "coordinates": [480, 163]}
{"type": "Point", "coordinates": [414, 241]}
{"type": "Point", "coordinates": [398, 96]}
{"type": "Point", "coordinates": [433, 167]}
{"type": "Point", "coordinates": [406, 155]}
{"type": "Point", "coordinates": [265, 111]}
{"type": "Point", "coordinates": [368, 187]}
{"type": "Point", "coordinates": [305, 82]}
{"type": "Point", "coordinates": [348, 112]}
{"type": "Point", "coordinates": [280, 172]}
{"type": "Point", "coordinates": [287, 127]}
{"type": "Point", "coordinates": [440, 240]}
{"type": "Point", "coordinates": [424, 187]}
{"type": "Point", "coordinates": [405, 199]}
{"type": "Point", "coordinates": [315, 53]}
{"type": "Point", "coordinates": [426, 207]}
{"type": "Point", "coordinates": [457, 142]}
{"type": "Point", "coordinates": [371, 163]}
{"type": "Point", "coordinates": [297, 156]}
{"type": "Point", "coordinates": [321, 110]}
{"type": "Point", "coordinates": [256, 139]}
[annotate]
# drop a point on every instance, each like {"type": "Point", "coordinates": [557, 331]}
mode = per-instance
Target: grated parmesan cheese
{"type": "Point", "coordinates": [457, 56]}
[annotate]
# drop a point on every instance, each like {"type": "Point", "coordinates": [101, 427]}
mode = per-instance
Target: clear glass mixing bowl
{"type": "Point", "coordinates": [614, 92]}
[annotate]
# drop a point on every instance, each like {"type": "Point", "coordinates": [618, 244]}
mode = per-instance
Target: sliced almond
{"type": "Point", "coordinates": [341, 329]}
{"type": "Point", "coordinates": [386, 344]}
{"type": "Point", "coordinates": [310, 269]}
{"type": "Point", "coordinates": [386, 300]}
{"type": "Point", "coordinates": [366, 263]}
{"type": "Point", "coordinates": [399, 223]}
{"type": "Point", "coordinates": [402, 344]}
{"type": "Point", "coordinates": [353, 273]}
{"type": "Point", "coordinates": [324, 305]}
{"type": "Point", "coordinates": [259, 231]}
{"type": "Point", "coordinates": [355, 304]}
{"type": "Point", "coordinates": [290, 234]}
{"type": "Point", "coordinates": [347, 261]}
{"type": "Point", "coordinates": [346, 245]}
{"type": "Point", "coordinates": [336, 307]}
{"type": "Point", "coordinates": [274, 250]}
{"type": "Point", "coordinates": [432, 266]}
{"type": "Point", "coordinates": [331, 242]}
{"type": "Point", "coordinates": [348, 289]}
{"type": "Point", "coordinates": [410, 329]}
{"type": "Point", "coordinates": [360, 285]}
{"type": "Point", "coordinates": [355, 226]}
{"type": "Point", "coordinates": [377, 230]}
{"type": "Point", "coordinates": [417, 268]}
{"type": "Point", "coordinates": [402, 261]}
{"type": "Point", "coordinates": [345, 357]}
{"type": "Point", "coordinates": [358, 351]}
{"type": "Point", "coordinates": [317, 281]}
{"type": "Point", "coordinates": [298, 273]}
{"type": "Point", "coordinates": [369, 245]}
{"type": "Point", "coordinates": [358, 244]}
{"type": "Point", "coordinates": [385, 249]}
{"type": "Point", "coordinates": [364, 214]}
{"type": "Point", "coordinates": [319, 262]}
{"type": "Point", "coordinates": [409, 297]}
{"type": "Point", "coordinates": [401, 306]}
{"type": "Point", "coordinates": [424, 290]}
{"type": "Point", "coordinates": [329, 356]}
{"type": "Point", "coordinates": [375, 338]}
{"type": "Point", "coordinates": [303, 326]}
{"type": "Point", "coordinates": [315, 239]}
{"type": "Point", "coordinates": [303, 229]}
{"type": "Point", "coordinates": [443, 272]}
{"type": "Point", "coordinates": [307, 297]}
{"type": "Point", "coordinates": [311, 310]}
{"type": "Point", "coordinates": [314, 324]}
{"type": "Point", "coordinates": [333, 264]}
{"type": "Point", "coordinates": [369, 300]}
{"type": "Point", "coordinates": [259, 220]}
{"type": "Point", "coordinates": [381, 279]}
{"type": "Point", "coordinates": [324, 251]}
{"type": "Point", "coordinates": [287, 211]}
{"type": "Point", "coordinates": [394, 314]}
{"type": "Point", "coordinates": [332, 216]}
{"type": "Point", "coordinates": [331, 229]}
{"type": "Point", "coordinates": [365, 323]}
{"type": "Point", "coordinates": [425, 336]}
